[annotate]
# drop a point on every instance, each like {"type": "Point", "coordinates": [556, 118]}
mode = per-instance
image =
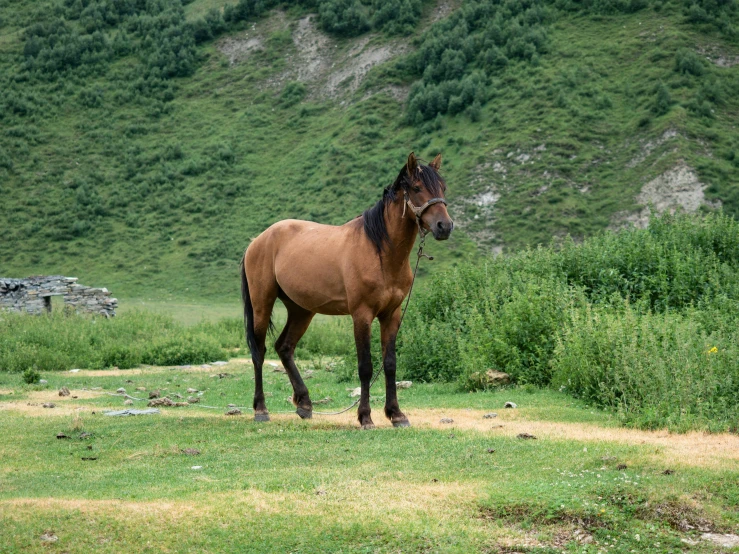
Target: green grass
{"type": "Point", "coordinates": [325, 486]}
{"type": "Point", "coordinates": [153, 197]}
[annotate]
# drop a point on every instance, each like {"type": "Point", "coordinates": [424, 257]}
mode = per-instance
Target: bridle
{"type": "Point", "coordinates": [418, 210]}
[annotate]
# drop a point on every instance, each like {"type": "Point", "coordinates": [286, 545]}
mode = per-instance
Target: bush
{"type": "Point", "coordinates": [292, 93]}
{"type": "Point", "coordinates": [344, 17]}
{"type": "Point", "coordinates": [625, 320]}
{"type": "Point", "coordinates": [688, 62]}
{"type": "Point", "coordinates": [654, 370]}
{"type": "Point", "coordinates": [31, 376]}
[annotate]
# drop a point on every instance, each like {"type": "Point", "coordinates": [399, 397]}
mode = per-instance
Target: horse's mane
{"type": "Point", "coordinates": [374, 217]}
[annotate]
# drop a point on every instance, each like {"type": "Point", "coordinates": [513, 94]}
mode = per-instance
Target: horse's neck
{"type": "Point", "coordinates": [402, 231]}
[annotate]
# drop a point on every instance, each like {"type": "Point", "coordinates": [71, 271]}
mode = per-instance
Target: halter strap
{"type": "Point", "coordinates": [418, 210]}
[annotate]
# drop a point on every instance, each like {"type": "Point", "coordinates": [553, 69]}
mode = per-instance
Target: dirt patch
{"type": "Point", "coordinates": [313, 48]}
{"type": "Point", "coordinates": [116, 508]}
{"type": "Point", "coordinates": [719, 57]}
{"type": "Point", "coordinates": [239, 49]}
{"type": "Point", "coordinates": [690, 449]}
{"type": "Point", "coordinates": [331, 71]}
{"type": "Point", "coordinates": [647, 147]}
{"type": "Point", "coordinates": [357, 64]}
{"type": "Point", "coordinates": [677, 188]}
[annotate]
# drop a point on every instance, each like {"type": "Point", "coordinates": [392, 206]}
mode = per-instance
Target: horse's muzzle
{"type": "Point", "coordinates": [442, 229]}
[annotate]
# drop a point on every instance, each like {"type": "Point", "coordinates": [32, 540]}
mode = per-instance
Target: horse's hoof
{"type": "Point", "coordinates": [402, 423]}
{"type": "Point", "coordinates": [261, 417]}
{"type": "Point", "coordinates": [368, 426]}
{"type": "Point", "coordinates": [304, 413]}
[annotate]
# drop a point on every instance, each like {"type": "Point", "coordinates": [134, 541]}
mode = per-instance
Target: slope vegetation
{"type": "Point", "coordinates": [144, 144]}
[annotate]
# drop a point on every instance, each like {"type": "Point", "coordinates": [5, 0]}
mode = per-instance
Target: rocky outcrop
{"type": "Point", "coordinates": [33, 295]}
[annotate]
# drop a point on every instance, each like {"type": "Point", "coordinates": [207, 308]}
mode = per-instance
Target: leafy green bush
{"type": "Point", "coordinates": [625, 320]}
{"type": "Point", "coordinates": [31, 376]}
{"type": "Point", "coordinates": [653, 369]}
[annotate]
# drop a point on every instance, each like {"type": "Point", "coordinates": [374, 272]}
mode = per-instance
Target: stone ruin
{"type": "Point", "coordinates": [33, 295]}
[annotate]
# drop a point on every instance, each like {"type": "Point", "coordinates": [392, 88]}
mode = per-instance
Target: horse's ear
{"type": "Point", "coordinates": [412, 164]}
{"type": "Point", "coordinates": [436, 164]}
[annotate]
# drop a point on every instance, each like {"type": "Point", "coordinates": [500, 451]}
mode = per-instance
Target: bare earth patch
{"type": "Point", "coordinates": [690, 449]}
{"type": "Point", "coordinates": [677, 188]}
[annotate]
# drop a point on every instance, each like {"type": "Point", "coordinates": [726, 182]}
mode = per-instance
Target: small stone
{"type": "Point", "coordinates": [526, 436]}
{"type": "Point", "coordinates": [177, 395]}
{"type": "Point", "coordinates": [192, 391]}
{"type": "Point", "coordinates": [64, 391]}
{"type": "Point", "coordinates": [49, 536]}
{"type": "Point", "coordinates": [621, 467]}
{"type": "Point", "coordinates": [279, 369]}
{"type": "Point", "coordinates": [491, 450]}
{"type": "Point", "coordinates": [403, 384]}
{"type": "Point", "coordinates": [160, 402]}
{"type": "Point", "coordinates": [355, 392]}
{"type": "Point", "coordinates": [49, 405]}
{"type": "Point", "coordinates": [232, 405]}
{"type": "Point", "coordinates": [446, 420]}
{"type": "Point", "coordinates": [89, 458]}
{"type": "Point", "coordinates": [193, 399]}
{"type": "Point", "coordinates": [128, 402]}
{"type": "Point", "coordinates": [154, 394]}
{"type": "Point", "coordinates": [73, 370]}
{"type": "Point", "coordinates": [180, 404]}
{"type": "Point", "coordinates": [510, 405]}
{"type": "Point", "coordinates": [85, 435]}
{"type": "Point", "coordinates": [196, 467]}
{"type": "Point", "coordinates": [191, 452]}
{"type": "Point", "coordinates": [61, 436]}
{"type": "Point", "coordinates": [668, 472]}
{"type": "Point", "coordinates": [323, 400]}
{"type": "Point", "coordinates": [220, 363]}
{"type": "Point", "coordinates": [128, 381]}
{"type": "Point", "coordinates": [121, 391]}
{"type": "Point", "coordinates": [233, 411]}
{"type": "Point", "coordinates": [223, 375]}
{"type": "Point", "coordinates": [491, 415]}
{"type": "Point", "coordinates": [43, 382]}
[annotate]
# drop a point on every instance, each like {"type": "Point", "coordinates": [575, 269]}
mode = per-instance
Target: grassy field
{"type": "Point", "coordinates": [325, 486]}
{"type": "Point", "coordinates": [154, 186]}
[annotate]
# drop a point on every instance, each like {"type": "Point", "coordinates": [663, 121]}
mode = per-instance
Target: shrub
{"type": "Point", "coordinates": [689, 62]}
{"type": "Point", "coordinates": [31, 376]}
{"type": "Point", "coordinates": [654, 370]}
{"type": "Point", "coordinates": [292, 93]}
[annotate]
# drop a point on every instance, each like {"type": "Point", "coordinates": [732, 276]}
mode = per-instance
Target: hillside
{"type": "Point", "coordinates": [143, 144]}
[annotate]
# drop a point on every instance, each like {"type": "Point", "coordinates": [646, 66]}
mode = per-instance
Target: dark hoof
{"type": "Point", "coordinates": [261, 417]}
{"type": "Point", "coordinates": [402, 423]}
{"type": "Point", "coordinates": [368, 426]}
{"type": "Point", "coordinates": [304, 413]}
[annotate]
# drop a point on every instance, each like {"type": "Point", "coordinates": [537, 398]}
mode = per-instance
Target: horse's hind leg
{"type": "Point", "coordinates": [298, 320]}
{"type": "Point", "coordinates": [261, 299]}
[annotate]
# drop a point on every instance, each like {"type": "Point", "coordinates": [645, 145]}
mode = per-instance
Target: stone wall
{"type": "Point", "coordinates": [33, 295]}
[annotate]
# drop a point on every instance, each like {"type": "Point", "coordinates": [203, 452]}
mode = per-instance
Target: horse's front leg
{"type": "Point", "coordinates": [363, 339]}
{"type": "Point", "coordinates": [389, 331]}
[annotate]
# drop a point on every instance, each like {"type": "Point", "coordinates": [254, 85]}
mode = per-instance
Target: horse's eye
{"type": "Point", "coordinates": [416, 189]}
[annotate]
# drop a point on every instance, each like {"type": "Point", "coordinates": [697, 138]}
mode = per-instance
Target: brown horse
{"type": "Point", "coordinates": [361, 269]}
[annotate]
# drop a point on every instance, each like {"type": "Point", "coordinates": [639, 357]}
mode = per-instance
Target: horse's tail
{"type": "Point", "coordinates": [251, 339]}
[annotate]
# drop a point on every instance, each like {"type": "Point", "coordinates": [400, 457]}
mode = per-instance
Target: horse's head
{"type": "Point", "coordinates": [423, 190]}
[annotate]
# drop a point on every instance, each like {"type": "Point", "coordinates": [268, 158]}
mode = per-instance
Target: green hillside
{"type": "Point", "coordinates": [144, 143]}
